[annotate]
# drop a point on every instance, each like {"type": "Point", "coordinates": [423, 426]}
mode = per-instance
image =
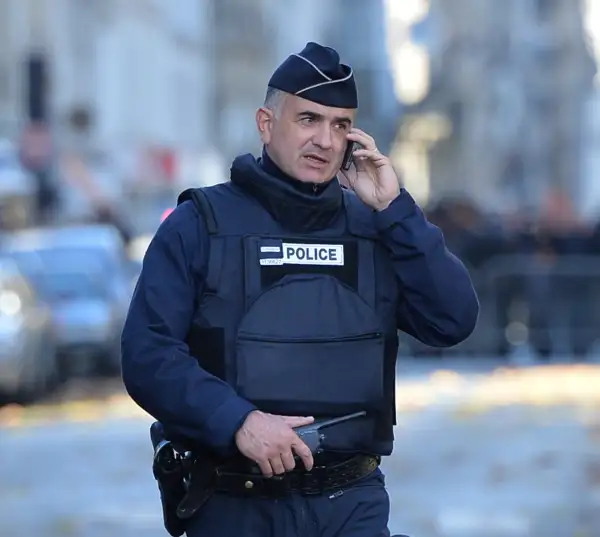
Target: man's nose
{"type": "Point", "coordinates": [323, 138]}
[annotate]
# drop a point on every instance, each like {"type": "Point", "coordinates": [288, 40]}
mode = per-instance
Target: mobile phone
{"type": "Point", "coordinates": [347, 160]}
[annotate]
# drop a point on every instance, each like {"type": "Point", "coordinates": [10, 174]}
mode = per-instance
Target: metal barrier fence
{"type": "Point", "coordinates": [549, 304]}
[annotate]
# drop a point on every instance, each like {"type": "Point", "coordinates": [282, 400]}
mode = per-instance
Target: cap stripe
{"type": "Point", "coordinates": [329, 81]}
{"type": "Point", "coordinates": [313, 66]}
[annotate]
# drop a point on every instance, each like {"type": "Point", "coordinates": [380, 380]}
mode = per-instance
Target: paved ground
{"type": "Point", "coordinates": [494, 454]}
{"type": "Point", "coordinates": [506, 455]}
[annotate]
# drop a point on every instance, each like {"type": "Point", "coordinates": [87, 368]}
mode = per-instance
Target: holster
{"type": "Point", "coordinates": [185, 480]}
{"type": "Point", "coordinates": [172, 491]}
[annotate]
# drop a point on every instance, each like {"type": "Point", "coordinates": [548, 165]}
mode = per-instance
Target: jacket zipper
{"type": "Point", "coordinates": [343, 339]}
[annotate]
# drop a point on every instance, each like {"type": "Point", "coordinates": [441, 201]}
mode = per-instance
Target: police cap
{"type": "Point", "coordinates": [317, 75]}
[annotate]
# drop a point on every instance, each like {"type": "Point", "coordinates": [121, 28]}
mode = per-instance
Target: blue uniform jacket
{"type": "Point", "coordinates": [440, 308]}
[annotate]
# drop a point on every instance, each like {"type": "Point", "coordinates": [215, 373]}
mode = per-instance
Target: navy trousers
{"type": "Point", "coordinates": [361, 510]}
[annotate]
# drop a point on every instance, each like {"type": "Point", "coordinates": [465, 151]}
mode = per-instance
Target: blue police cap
{"type": "Point", "coordinates": [317, 75]}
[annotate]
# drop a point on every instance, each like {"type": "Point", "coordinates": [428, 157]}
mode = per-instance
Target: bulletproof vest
{"type": "Point", "coordinates": [299, 324]}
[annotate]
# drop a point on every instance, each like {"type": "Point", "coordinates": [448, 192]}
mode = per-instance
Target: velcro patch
{"type": "Point", "coordinates": [302, 254]}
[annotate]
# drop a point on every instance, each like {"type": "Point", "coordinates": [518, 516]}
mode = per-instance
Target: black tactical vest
{"type": "Point", "coordinates": [299, 324]}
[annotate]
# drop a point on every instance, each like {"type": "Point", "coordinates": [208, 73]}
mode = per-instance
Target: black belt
{"type": "Point", "coordinates": [232, 479]}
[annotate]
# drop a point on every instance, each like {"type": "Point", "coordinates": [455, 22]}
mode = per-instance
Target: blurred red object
{"type": "Point", "coordinates": [164, 215]}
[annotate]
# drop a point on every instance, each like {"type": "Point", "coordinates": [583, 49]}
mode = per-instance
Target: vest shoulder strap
{"type": "Point", "coordinates": [200, 200]}
{"type": "Point", "coordinates": [205, 209]}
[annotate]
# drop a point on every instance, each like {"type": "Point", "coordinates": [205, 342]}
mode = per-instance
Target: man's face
{"type": "Point", "coordinates": [305, 139]}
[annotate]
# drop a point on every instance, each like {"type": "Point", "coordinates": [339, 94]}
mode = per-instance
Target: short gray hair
{"type": "Point", "coordinates": [274, 99]}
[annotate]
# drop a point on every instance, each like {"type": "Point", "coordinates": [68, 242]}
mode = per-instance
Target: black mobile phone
{"type": "Point", "coordinates": [347, 160]}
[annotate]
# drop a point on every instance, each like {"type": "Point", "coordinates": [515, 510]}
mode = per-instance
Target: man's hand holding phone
{"type": "Point", "coordinates": [371, 176]}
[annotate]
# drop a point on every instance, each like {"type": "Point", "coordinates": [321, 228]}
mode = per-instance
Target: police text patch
{"type": "Point", "coordinates": [302, 254]}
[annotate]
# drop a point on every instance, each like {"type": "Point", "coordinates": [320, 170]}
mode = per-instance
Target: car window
{"type": "Point", "coordinates": [84, 259]}
{"type": "Point", "coordinates": [57, 286]}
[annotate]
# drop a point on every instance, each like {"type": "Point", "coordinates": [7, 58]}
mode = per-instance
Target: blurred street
{"type": "Point", "coordinates": [500, 453]}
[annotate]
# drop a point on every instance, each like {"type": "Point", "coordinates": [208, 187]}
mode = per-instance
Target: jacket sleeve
{"type": "Point", "coordinates": [158, 371]}
{"type": "Point", "coordinates": [439, 305]}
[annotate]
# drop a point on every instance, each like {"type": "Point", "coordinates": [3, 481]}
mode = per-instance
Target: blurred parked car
{"type": "Point", "coordinates": [28, 353]}
{"type": "Point", "coordinates": [87, 321]}
{"type": "Point", "coordinates": [84, 273]}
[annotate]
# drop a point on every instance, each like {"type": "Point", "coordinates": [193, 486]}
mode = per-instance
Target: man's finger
{"type": "Point", "coordinates": [288, 460]}
{"type": "Point", "coordinates": [303, 451]}
{"type": "Point", "coordinates": [368, 154]}
{"type": "Point", "coordinates": [265, 468]}
{"type": "Point", "coordinates": [277, 465]}
{"type": "Point", "coordinates": [298, 421]}
{"type": "Point", "coordinates": [366, 158]}
{"type": "Point", "coordinates": [356, 135]}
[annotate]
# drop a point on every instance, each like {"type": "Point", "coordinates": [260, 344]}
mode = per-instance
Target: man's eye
{"type": "Point", "coordinates": [342, 126]}
{"type": "Point", "coordinates": [307, 120]}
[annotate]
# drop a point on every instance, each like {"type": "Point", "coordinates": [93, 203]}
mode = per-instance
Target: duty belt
{"type": "Point", "coordinates": [229, 478]}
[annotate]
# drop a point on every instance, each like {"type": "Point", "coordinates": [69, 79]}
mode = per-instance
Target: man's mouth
{"type": "Point", "coordinates": [316, 159]}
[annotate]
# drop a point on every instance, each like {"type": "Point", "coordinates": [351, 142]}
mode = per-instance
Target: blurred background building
{"type": "Point", "coordinates": [497, 102]}
{"type": "Point", "coordinates": [500, 99]}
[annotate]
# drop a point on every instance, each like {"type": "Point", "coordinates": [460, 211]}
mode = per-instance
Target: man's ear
{"type": "Point", "coordinates": [264, 123]}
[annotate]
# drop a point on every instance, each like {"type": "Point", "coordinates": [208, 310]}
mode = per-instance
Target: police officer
{"type": "Point", "coordinates": [275, 299]}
